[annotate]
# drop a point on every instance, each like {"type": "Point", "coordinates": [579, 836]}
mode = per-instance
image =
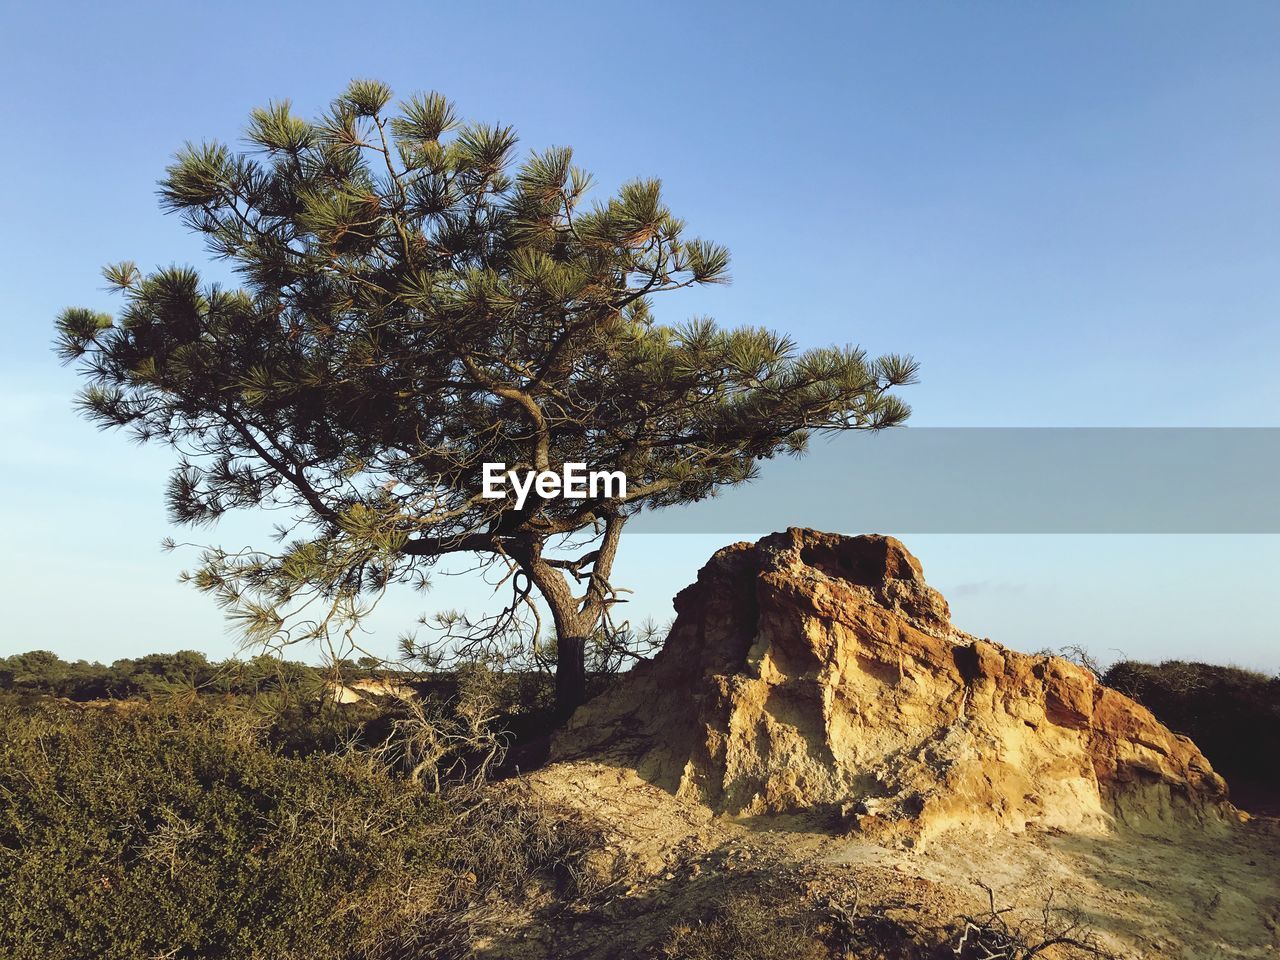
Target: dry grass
{"type": "Point", "coordinates": [744, 928]}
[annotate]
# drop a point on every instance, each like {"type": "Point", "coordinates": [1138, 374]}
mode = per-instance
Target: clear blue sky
{"type": "Point", "coordinates": [1070, 213]}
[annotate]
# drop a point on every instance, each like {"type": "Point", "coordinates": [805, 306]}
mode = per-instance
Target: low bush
{"type": "Point", "coordinates": [150, 830]}
{"type": "Point", "coordinates": [139, 833]}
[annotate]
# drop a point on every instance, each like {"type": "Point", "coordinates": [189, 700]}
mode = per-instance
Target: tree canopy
{"type": "Point", "coordinates": [414, 301]}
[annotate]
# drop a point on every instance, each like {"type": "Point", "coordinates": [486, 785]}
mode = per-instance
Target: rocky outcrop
{"type": "Point", "coordinates": [813, 670]}
{"type": "Point", "coordinates": [375, 688]}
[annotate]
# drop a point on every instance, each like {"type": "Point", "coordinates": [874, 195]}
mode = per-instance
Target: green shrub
{"type": "Point", "coordinates": [141, 832]}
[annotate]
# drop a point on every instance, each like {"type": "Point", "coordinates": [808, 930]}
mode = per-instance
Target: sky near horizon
{"type": "Point", "coordinates": [1070, 214]}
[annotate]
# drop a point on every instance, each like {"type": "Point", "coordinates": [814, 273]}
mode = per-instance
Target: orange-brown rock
{"type": "Point", "coordinates": [815, 670]}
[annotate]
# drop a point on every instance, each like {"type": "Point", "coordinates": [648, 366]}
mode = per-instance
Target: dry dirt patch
{"type": "Point", "coordinates": [1197, 896]}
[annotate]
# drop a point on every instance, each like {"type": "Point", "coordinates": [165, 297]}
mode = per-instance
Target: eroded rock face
{"type": "Point", "coordinates": [811, 669]}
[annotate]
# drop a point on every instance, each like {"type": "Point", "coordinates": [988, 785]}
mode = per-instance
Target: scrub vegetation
{"type": "Point", "coordinates": [167, 806]}
{"type": "Point", "coordinates": [154, 829]}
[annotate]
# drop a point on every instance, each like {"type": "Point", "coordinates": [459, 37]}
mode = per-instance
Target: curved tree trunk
{"type": "Point", "coordinates": [573, 626]}
{"type": "Point", "coordinates": [575, 618]}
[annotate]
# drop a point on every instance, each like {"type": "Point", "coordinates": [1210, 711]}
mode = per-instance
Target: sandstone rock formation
{"type": "Point", "coordinates": [357, 691]}
{"type": "Point", "coordinates": [812, 670]}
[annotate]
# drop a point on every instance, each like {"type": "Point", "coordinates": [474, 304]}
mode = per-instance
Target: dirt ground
{"type": "Point", "coordinates": [1200, 895]}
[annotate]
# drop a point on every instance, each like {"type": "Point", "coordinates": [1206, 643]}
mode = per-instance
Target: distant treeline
{"type": "Point", "coordinates": [43, 672]}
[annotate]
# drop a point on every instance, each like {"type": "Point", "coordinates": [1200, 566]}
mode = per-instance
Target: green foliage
{"type": "Point", "coordinates": [136, 830]}
{"type": "Point", "coordinates": [464, 719]}
{"type": "Point", "coordinates": [415, 303]}
{"type": "Point", "coordinates": [139, 833]}
{"type": "Point", "coordinates": [43, 672]}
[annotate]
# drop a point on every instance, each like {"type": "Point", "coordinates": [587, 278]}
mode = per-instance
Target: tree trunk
{"type": "Point", "coordinates": [571, 632]}
{"type": "Point", "coordinates": [575, 618]}
{"type": "Point", "coordinates": [571, 676]}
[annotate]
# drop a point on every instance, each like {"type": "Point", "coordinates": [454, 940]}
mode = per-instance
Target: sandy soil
{"type": "Point", "coordinates": [1200, 895]}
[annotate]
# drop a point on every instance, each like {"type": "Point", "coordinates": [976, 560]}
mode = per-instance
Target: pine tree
{"type": "Point", "coordinates": [411, 304]}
